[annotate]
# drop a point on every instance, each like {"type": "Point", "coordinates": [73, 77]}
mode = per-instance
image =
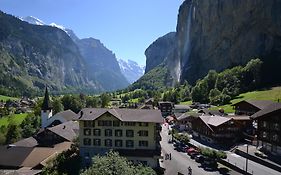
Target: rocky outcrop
{"type": "Point", "coordinates": [217, 34]}
{"type": "Point", "coordinates": [158, 51]}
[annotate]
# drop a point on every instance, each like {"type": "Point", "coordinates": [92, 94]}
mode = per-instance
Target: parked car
{"type": "Point", "coordinates": [199, 158]}
{"type": "Point", "coordinates": [260, 154]}
{"type": "Point", "coordinates": [209, 164]}
{"type": "Point", "coordinates": [190, 150]}
{"type": "Point", "coordinates": [194, 154]}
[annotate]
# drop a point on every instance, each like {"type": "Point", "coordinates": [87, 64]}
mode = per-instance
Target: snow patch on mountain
{"type": "Point", "coordinates": [131, 70]}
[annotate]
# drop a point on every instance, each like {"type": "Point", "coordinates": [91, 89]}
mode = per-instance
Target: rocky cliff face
{"type": "Point", "coordinates": [217, 34]}
{"type": "Point", "coordinates": [102, 64]}
{"type": "Point", "coordinates": [158, 51]}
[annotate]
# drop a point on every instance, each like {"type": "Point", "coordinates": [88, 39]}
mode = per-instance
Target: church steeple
{"type": "Point", "coordinates": [47, 105]}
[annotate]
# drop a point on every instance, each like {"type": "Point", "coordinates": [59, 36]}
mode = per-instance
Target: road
{"type": "Point", "coordinates": [179, 161]}
{"type": "Point", "coordinates": [253, 167]}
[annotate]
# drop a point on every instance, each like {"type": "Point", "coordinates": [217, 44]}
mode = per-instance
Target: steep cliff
{"type": "Point", "coordinates": [158, 51]}
{"type": "Point", "coordinates": [102, 65]}
{"type": "Point", "coordinates": [217, 34]}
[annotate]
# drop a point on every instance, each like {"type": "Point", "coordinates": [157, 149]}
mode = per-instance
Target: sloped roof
{"type": "Point", "coordinates": [27, 142]}
{"type": "Point", "coordinates": [21, 171]}
{"type": "Point", "coordinates": [214, 120]}
{"type": "Point", "coordinates": [182, 107]}
{"type": "Point", "coordinates": [211, 112]}
{"type": "Point", "coordinates": [126, 115]}
{"type": "Point", "coordinates": [269, 109]}
{"type": "Point", "coordinates": [29, 156]}
{"type": "Point", "coordinates": [68, 130]}
{"type": "Point", "coordinates": [67, 115]}
{"type": "Point", "coordinates": [260, 104]}
{"type": "Point", "coordinates": [239, 117]}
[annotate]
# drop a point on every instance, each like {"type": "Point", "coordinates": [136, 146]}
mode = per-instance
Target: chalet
{"type": "Point", "coordinates": [166, 108]}
{"type": "Point", "coordinates": [249, 107]}
{"type": "Point", "coordinates": [215, 129]}
{"type": "Point", "coordinates": [184, 120]}
{"type": "Point", "coordinates": [34, 152]}
{"type": "Point", "coordinates": [134, 133]}
{"type": "Point", "coordinates": [269, 128]}
{"type": "Point", "coordinates": [181, 108]}
{"type": "Point", "coordinates": [212, 112]}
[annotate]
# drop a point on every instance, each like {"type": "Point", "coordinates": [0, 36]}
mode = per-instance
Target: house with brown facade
{"type": "Point", "coordinates": [166, 108]}
{"type": "Point", "coordinates": [269, 128]}
{"type": "Point", "coordinates": [34, 152]}
{"type": "Point", "coordinates": [249, 107]}
{"type": "Point", "coordinates": [215, 129]}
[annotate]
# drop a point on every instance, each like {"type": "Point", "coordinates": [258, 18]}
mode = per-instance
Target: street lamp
{"type": "Point", "coordinates": [247, 154]}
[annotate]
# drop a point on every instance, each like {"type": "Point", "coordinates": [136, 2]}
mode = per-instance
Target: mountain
{"type": "Point", "coordinates": [158, 51]}
{"type": "Point", "coordinates": [219, 35]}
{"type": "Point", "coordinates": [131, 70]}
{"type": "Point", "coordinates": [32, 20]}
{"type": "Point", "coordinates": [34, 55]}
{"type": "Point", "coordinates": [102, 64]}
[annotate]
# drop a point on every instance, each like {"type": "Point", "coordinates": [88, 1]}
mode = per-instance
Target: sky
{"type": "Point", "coordinates": [127, 27]}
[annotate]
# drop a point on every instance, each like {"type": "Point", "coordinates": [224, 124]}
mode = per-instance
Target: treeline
{"type": "Point", "coordinates": [220, 88]}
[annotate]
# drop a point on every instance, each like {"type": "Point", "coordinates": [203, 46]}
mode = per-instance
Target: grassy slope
{"type": "Point", "coordinates": [16, 118]}
{"type": "Point", "coordinates": [5, 98]}
{"type": "Point", "coordinates": [269, 94]}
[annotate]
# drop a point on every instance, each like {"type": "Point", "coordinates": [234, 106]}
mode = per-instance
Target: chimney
{"type": "Point", "coordinates": [63, 127]}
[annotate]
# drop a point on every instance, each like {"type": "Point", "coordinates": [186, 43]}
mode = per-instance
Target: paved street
{"type": "Point", "coordinates": [180, 161]}
{"type": "Point", "coordinates": [253, 167]}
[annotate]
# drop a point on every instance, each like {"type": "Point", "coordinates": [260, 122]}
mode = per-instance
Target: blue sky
{"type": "Point", "coordinates": [127, 27]}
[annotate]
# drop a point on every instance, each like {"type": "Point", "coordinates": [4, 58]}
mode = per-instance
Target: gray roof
{"type": "Point", "coordinates": [182, 107]}
{"type": "Point", "coordinates": [27, 142]}
{"type": "Point", "coordinates": [269, 109]}
{"type": "Point", "coordinates": [126, 115]}
{"type": "Point", "coordinates": [260, 104]}
{"type": "Point", "coordinates": [68, 130]}
{"type": "Point", "coordinates": [67, 115]}
{"type": "Point", "coordinates": [214, 120]}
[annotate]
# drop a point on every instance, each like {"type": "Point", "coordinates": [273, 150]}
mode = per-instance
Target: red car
{"type": "Point", "coordinates": [191, 150]}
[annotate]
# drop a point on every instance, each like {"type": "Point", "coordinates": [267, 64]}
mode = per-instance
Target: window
{"type": "Point", "coordinates": [87, 141]}
{"type": "Point", "coordinates": [130, 123]}
{"type": "Point", "coordinates": [96, 132]}
{"type": "Point", "coordinates": [118, 133]}
{"type": "Point", "coordinates": [143, 124]}
{"type": "Point", "coordinates": [143, 133]}
{"type": "Point", "coordinates": [116, 123]}
{"type": "Point", "coordinates": [129, 133]}
{"type": "Point", "coordinates": [264, 134]}
{"type": "Point", "coordinates": [88, 123]}
{"type": "Point", "coordinates": [264, 124]}
{"type": "Point", "coordinates": [118, 143]}
{"type": "Point", "coordinates": [108, 132]}
{"type": "Point", "coordinates": [96, 142]}
{"type": "Point", "coordinates": [275, 137]}
{"type": "Point", "coordinates": [87, 132]}
{"type": "Point", "coordinates": [108, 142]}
{"type": "Point", "coordinates": [104, 123]}
{"type": "Point", "coordinates": [129, 143]}
{"type": "Point", "coordinates": [143, 143]}
{"type": "Point", "coordinates": [276, 126]}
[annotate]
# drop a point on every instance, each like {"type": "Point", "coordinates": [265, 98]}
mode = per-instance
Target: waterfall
{"type": "Point", "coordinates": [186, 46]}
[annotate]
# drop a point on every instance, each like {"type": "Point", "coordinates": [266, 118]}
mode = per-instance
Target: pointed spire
{"type": "Point", "coordinates": [47, 105]}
